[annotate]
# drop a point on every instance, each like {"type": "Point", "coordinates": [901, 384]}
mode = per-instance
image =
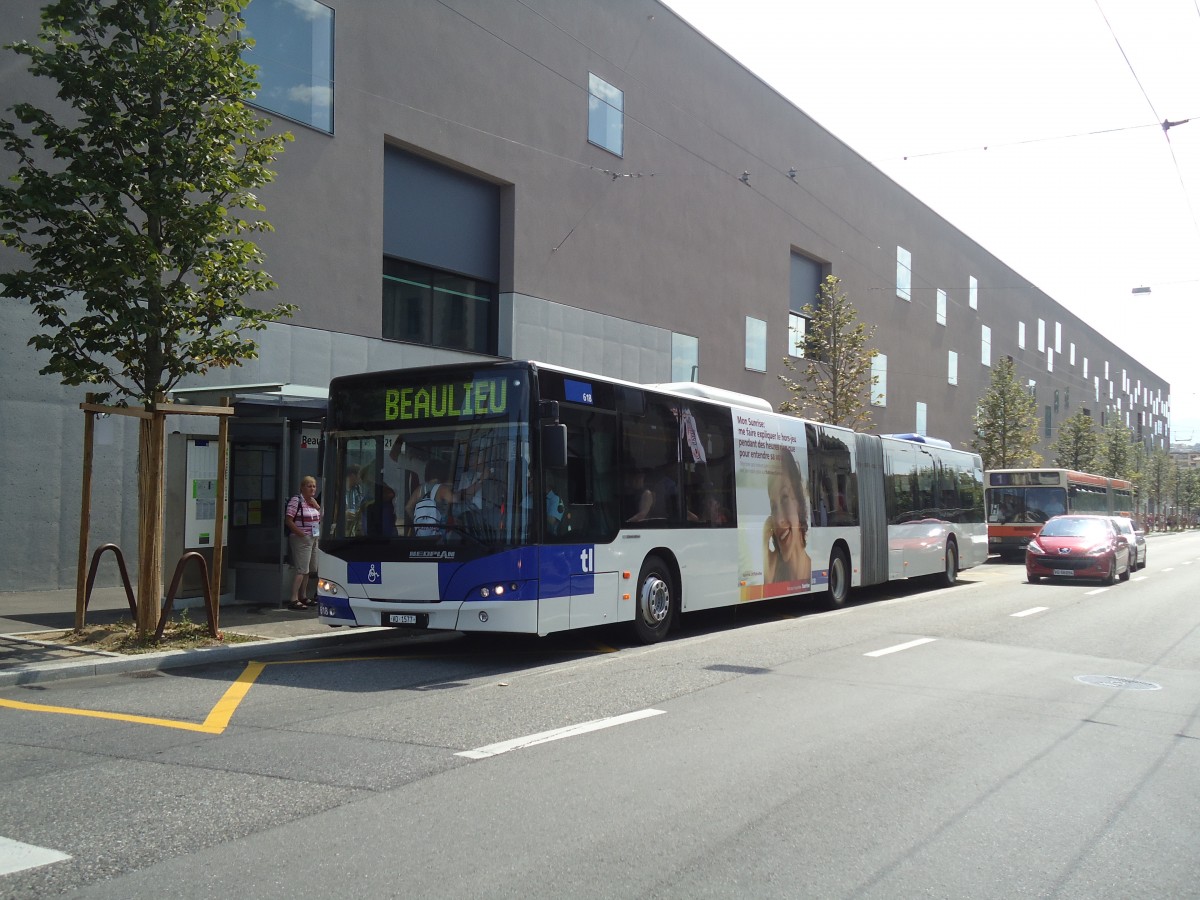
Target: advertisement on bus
{"type": "Point", "coordinates": [774, 508]}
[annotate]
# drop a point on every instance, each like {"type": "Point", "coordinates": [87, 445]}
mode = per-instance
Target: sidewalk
{"type": "Point", "coordinates": [24, 659]}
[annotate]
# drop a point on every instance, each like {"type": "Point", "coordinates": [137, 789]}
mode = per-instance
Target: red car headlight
{"type": "Point", "coordinates": [1036, 548]}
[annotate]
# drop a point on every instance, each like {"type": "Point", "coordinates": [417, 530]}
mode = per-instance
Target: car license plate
{"type": "Point", "coordinates": [399, 618]}
{"type": "Point", "coordinates": [1067, 572]}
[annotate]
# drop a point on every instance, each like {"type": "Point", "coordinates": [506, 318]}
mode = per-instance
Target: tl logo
{"type": "Point", "coordinates": [587, 560]}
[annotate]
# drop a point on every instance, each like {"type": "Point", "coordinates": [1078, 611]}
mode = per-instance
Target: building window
{"type": "Point", "coordinates": [797, 328]}
{"type": "Point", "coordinates": [879, 376]}
{"type": "Point", "coordinates": [606, 115]}
{"type": "Point", "coordinates": [985, 348]}
{"type": "Point", "coordinates": [1047, 429]}
{"type": "Point", "coordinates": [921, 418]}
{"type": "Point", "coordinates": [1058, 337]}
{"type": "Point", "coordinates": [1066, 398]}
{"type": "Point", "coordinates": [1085, 369]}
{"type": "Point", "coordinates": [756, 344]}
{"type": "Point", "coordinates": [1097, 383]}
{"type": "Point", "coordinates": [973, 291]}
{"type": "Point", "coordinates": [952, 367]}
{"type": "Point", "coordinates": [1050, 360]}
{"type": "Point", "coordinates": [1072, 348]}
{"type": "Point", "coordinates": [1021, 335]}
{"type": "Point", "coordinates": [1041, 345]}
{"type": "Point", "coordinates": [685, 357]}
{"type": "Point", "coordinates": [804, 290]}
{"type": "Point", "coordinates": [293, 49]}
{"type": "Point", "coordinates": [941, 307]}
{"type": "Point", "coordinates": [903, 274]}
{"type": "Point", "coordinates": [1056, 402]}
{"type": "Point", "coordinates": [1032, 388]}
{"type": "Point", "coordinates": [438, 309]}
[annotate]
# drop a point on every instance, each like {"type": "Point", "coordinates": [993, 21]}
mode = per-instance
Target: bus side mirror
{"type": "Point", "coordinates": [554, 446]}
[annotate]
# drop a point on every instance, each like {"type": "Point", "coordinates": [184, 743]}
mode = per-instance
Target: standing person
{"type": "Point", "coordinates": [427, 505]}
{"type": "Point", "coordinates": [303, 522]}
{"type": "Point", "coordinates": [785, 532]}
{"type": "Point", "coordinates": [468, 492]}
{"type": "Point", "coordinates": [354, 501]}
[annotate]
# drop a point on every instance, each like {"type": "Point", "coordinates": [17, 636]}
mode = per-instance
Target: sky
{"type": "Point", "coordinates": [1033, 126]}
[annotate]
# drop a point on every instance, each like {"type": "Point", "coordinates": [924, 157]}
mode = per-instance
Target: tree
{"type": "Point", "coordinates": [1116, 448]}
{"type": "Point", "coordinates": [1077, 444]}
{"type": "Point", "coordinates": [836, 364]}
{"type": "Point", "coordinates": [1158, 481]}
{"type": "Point", "coordinates": [1189, 495]}
{"type": "Point", "coordinates": [1006, 422]}
{"type": "Point", "coordinates": [131, 209]}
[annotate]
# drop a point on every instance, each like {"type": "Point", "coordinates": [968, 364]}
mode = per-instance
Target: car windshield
{"type": "Point", "coordinates": [1123, 525]}
{"type": "Point", "coordinates": [1068, 527]}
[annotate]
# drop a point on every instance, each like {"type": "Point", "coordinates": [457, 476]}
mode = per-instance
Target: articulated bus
{"type": "Point", "coordinates": [1019, 501]}
{"type": "Point", "coordinates": [528, 498]}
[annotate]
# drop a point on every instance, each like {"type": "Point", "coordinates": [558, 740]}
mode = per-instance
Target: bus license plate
{"type": "Point", "coordinates": [399, 618]}
{"type": "Point", "coordinates": [1064, 573]}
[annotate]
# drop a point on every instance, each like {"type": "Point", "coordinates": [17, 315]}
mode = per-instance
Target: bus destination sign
{"type": "Point", "coordinates": [480, 398]}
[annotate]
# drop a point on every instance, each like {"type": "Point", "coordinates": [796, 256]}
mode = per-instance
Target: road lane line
{"type": "Point", "coordinates": [1030, 612]}
{"type": "Point", "coordinates": [16, 857]}
{"type": "Point", "coordinates": [885, 651]}
{"type": "Point", "coordinates": [1096, 591]}
{"type": "Point", "coordinates": [557, 734]}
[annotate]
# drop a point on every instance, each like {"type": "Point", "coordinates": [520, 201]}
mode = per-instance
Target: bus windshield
{"type": "Point", "coordinates": [425, 461]}
{"type": "Point", "coordinates": [1010, 505]}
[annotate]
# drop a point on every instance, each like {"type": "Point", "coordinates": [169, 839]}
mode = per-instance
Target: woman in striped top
{"type": "Point", "coordinates": [303, 523]}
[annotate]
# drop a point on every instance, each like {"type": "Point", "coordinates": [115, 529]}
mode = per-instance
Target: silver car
{"type": "Point", "coordinates": [1137, 541]}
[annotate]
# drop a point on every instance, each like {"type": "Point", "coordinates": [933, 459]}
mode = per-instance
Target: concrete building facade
{"type": "Point", "coordinates": [584, 182]}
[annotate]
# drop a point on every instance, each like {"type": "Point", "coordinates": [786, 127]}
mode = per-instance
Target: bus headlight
{"type": "Point", "coordinates": [329, 588]}
{"type": "Point", "coordinates": [498, 590]}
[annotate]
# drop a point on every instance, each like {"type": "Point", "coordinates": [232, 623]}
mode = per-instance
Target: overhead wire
{"type": "Point", "coordinates": [1166, 124]}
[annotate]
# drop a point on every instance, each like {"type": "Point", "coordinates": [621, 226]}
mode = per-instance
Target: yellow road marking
{"type": "Point", "coordinates": [217, 721]}
{"type": "Point", "coordinates": [219, 717]}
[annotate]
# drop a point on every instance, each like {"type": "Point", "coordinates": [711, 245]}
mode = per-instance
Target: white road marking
{"type": "Point", "coordinates": [1030, 612]}
{"type": "Point", "coordinates": [15, 856]}
{"type": "Point", "coordinates": [1096, 591]}
{"type": "Point", "coordinates": [557, 733]}
{"type": "Point", "coordinates": [1140, 578]}
{"type": "Point", "coordinates": [1169, 569]}
{"type": "Point", "coordinates": [917, 643]}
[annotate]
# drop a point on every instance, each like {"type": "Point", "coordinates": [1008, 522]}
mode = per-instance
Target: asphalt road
{"type": "Point", "coordinates": [995, 739]}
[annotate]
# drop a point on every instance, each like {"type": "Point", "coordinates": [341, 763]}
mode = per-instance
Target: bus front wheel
{"type": "Point", "coordinates": [839, 577]}
{"type": "Point", "coordinates": [655, 601]}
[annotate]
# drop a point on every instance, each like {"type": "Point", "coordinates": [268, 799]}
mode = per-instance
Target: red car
{"type": "Point", "coordinates": [1078, 547]}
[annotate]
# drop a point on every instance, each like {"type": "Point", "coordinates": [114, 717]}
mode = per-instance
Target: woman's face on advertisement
{"type": "Point", "coordinates": [790, 526]}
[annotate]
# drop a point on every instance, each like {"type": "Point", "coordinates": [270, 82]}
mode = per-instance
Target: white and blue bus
{"type": "Point", "coordinates": [524, 497]}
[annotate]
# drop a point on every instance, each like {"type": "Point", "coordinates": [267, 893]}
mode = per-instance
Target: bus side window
{"type": "Point", "coordinates": [708, 470]}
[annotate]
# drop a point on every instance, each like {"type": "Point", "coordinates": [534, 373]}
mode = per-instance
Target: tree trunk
{"type": "Point", "coordinates": [150, 522]}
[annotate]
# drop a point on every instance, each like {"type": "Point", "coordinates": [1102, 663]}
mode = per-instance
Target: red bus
{"type": "Point", "coordinates": [1019, 501]}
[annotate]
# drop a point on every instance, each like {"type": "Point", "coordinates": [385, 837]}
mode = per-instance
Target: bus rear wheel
{"type": "Point", "coordinates": [839, 577]}
{"type": "Point", "coordinates": [950, 575]}
{"type": "Point", "coordinates": [655, 602]}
